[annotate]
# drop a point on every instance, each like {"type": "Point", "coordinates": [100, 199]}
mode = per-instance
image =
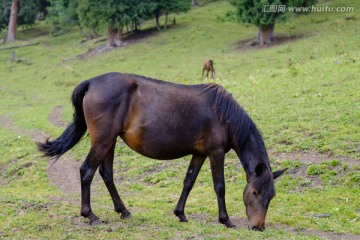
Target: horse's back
{"type": "Point", "coordinates": [158, 119]}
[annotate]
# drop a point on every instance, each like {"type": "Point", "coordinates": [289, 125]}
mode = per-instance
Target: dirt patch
{"type": "Point", "coordinates": [311, 157]}
{"type": "Point", "coordinates": [312, 169]}
{"type": "Point", "coordinates": [36, 135]}
{"type": "Point", "coordinates": [317, 233]}
{"type": "Point", "coordinates": [248, 44]}
{"type": "Point", "coordinates": [55, 117]}
{"type": "Point", "coordinates": [95, 51]}
{"type": "Point", "coordinates": [128, 40]}
{"type": "Point", "coordinates": [65, 173]}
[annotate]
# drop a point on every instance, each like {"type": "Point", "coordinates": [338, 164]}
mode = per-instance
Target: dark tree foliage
{"type": "Point", "coordinates": [63, 15]}
{"type": "Point", "coordinates": [116, 15]}
{"type": "Point", "coordinates": [27, 14]}
{"type": "Point", "coordinates": [43, 8]}
{"type": "Point", "coordinates": [265, 13]}
{"type": "Point", "coordinates": [165, 7]}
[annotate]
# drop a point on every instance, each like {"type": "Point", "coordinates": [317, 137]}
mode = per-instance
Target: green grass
{"type": "Point", "coordinates": [304, 96]}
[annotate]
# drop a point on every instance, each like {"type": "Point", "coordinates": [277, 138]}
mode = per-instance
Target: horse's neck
{"type": "Point", "coordinates": [251, 153]}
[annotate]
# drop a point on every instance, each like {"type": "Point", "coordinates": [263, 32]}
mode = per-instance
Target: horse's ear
{"type": "Point", "coordinates": [278, 173]}
{"type": "Point", "coordinates": [259, 169]}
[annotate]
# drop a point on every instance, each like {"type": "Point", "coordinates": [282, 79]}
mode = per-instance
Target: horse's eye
{"type": "Point", "coordinates": [255, 193]}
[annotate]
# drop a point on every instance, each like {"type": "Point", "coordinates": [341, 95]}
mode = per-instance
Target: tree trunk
{"type": "Point", "coordinates": [11, 36]}
{"type": "Point", "coordinates": [264, 36]}
{"type": "Point", "coordinates": [119, 36]}
{"type": "Point", "coordinates": [157, 16]}
{"type": "Point", "coordinates": [111, 37]}
{"type": "Point", "coordinates": [271, 34]}
{"type": "Point", "coordinates": [166, 19]}
{"type": "Point", "coordinates": [194, 3]}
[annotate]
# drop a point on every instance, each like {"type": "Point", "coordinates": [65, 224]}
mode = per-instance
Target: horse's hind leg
{"type": "Point", "coordinates": [190, 178]}
{"type": "Point", "coordinates": [106, 172]}
{"type": "Point", "coordinates": [101, 145]}
{"type": "Point", "coordinates": [87, 171]}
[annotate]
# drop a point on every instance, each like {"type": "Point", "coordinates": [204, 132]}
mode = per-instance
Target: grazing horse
{"type": "Point", "coordinates": [164, 121]}
{"type": "Point", "coordinates": [208, 66]}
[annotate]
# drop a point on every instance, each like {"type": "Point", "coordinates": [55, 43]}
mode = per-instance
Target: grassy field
{"type": "Point", "coordinates": [303, 94]}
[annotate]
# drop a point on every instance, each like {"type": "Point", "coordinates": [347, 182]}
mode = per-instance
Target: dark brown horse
{"type": "Point", "coordinates": [163, 120]}
{"type": "Point", "coordinates": [208, 66]}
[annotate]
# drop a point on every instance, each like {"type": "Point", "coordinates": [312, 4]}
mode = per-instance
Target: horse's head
{"type": "Point", "coordinates": [258, 193]}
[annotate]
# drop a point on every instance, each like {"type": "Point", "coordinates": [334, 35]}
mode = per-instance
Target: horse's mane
{"type": "Point", "coordinates": [239, 123]}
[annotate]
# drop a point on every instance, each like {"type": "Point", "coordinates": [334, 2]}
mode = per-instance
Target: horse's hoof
{"type": "Point", "coordinates": [229, 224]}
{"type": "Point", "coordinates": [95, 223]}
{"type": "Point", "coordinates": [181, 216]}
{"type": "Point", "coordinates": [126, 216]}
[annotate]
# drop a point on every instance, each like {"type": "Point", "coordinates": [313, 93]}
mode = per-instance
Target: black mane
{"type": "Point", "coordinates": [239, 123]}
{"type": "Point", "coordinates": [231, 113]}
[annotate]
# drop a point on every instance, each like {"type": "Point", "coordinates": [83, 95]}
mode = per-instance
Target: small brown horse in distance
{"type": "Point", "coordinates": [164, 121]}
{"type": "Point", "coordinates": [208, 66]}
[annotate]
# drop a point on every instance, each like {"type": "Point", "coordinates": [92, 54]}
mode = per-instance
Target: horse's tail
{"type": "Point", "coordinates": [74, 131]}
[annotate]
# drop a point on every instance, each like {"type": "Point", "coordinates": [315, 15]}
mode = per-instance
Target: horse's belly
{"type": "Point", "coordinates": [156, 147]}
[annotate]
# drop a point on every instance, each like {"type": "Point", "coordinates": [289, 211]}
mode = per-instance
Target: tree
{"type": "Point", "coordinates": [109, 14]}
{"type": "Point", "coordinates": [176, 6]}
{"type": "Point", "coordinates": [115, 15]}
{"type": "Point", "coordinates": [17, 12]}
{"type": "Point", "coordinates": [11, 35]}
{"type": "Point", "coordinates": [265, 13]}
{"type": "Point", "coordinates": [166, 7]}
{"type": "Point", "coordinates": [63, 15]}
{"type": "Point", "coordinates": [194, 3]}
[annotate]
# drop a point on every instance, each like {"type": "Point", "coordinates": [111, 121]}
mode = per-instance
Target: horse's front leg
{"type": "Point", "coordinates": [217, 170]}
{"type": "Point", "coordinates": [190, 178]}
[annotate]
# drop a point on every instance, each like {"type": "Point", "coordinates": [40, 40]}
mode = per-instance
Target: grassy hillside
{"type": "Point", "coordinates": [303, 94]}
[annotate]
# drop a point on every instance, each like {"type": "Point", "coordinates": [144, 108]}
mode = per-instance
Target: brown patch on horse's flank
{"type": "Point", "coordinates": [200, 145]}
{"type": "Point", "coordinates": [133, 139]}
{"type": "Point", "coordinates": [247, 44]}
